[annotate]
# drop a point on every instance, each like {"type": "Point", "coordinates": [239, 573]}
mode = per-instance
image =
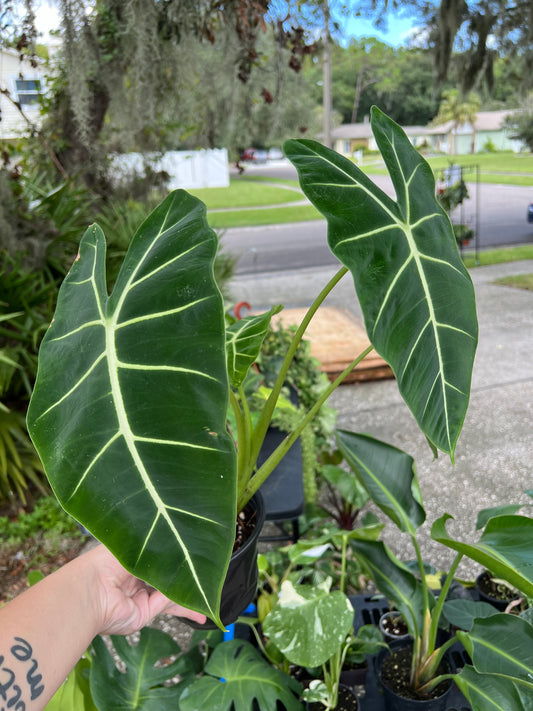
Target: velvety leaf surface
{"type": "Point", "coordinates": [309, 623]}
{"type": "Point", "coordinates": [505, 548]}
{"type": "Point", "coordinates": [246, 677]}
{"type": "Point", "coordinates": [128, 412]}
{"type": "Point", "coordinates": [141, 685]}
{"type": "Point", "coordinates": [389, 476]}
{"type": "Point", "coordinates": [416, 296]}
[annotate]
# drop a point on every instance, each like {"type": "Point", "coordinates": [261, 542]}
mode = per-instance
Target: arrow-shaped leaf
{"type": "Point", "coordinates": [243, 343]}
{"type": "Point", "coordinates": [129, 407]}
{"type": "Point", "coordinates": [505, 548]}
{"type": "Point", "coordinates": [416, 296]}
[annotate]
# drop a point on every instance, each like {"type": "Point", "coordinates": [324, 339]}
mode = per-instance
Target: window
{"type": "Point", "coordinates": [28, 91]}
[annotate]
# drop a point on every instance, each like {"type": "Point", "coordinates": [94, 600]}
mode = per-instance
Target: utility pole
{"type": "Point", "coordinates": [326, 95]}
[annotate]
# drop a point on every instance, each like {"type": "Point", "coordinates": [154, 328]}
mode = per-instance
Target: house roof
{"type": "Point", "coordinates": [485, 121]}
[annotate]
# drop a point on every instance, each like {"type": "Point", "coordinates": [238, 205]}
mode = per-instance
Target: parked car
{"type": "Point", "coordinates": [530, 212]}
{"type": "Point", "coordinates": [254, 155]}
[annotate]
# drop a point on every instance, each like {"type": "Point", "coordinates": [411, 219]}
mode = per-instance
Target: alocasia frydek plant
{"type": "Point", "coordinates": [129, 408]}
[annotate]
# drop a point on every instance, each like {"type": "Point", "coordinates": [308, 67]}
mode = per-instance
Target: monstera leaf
{"type": "Point", "coordinates": [128, 411]}
{"type": "Point", "coordinates": [144, 684]}
{"type": "Point", "coordinates": [416, 296]}
{"type": "Point", "coordinates": [249, 682]}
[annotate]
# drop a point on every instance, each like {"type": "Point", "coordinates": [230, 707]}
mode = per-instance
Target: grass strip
{"type": "Point", "coordinates": [499, 256]}
{"type": "Point", "coordinates": [272, 216]}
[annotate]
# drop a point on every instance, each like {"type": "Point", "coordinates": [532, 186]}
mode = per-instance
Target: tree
{"type": "Point", "coordinates": [460, 110]}
{"type": "Point", "coordinates": [520, 124]}
{"type": "Point", "coordinates": [480, 31]}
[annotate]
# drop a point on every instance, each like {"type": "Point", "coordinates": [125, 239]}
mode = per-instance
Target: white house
{"type": "Point", "coordinates": [489, 126]}
{"type": "Point", "coordinates": [24, 83]}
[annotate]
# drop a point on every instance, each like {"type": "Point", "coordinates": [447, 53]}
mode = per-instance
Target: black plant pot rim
{"type": "Point", "coordinates": [237, 558]}
{"type": "Point", "coordinates": [422, 704]}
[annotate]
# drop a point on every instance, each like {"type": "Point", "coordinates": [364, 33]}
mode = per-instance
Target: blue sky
{"type": "Point", "coordinates": [397, 29]}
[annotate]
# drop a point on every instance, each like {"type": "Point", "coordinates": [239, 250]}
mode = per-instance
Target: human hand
{"type": "Point", "coordinates": [125, 604]}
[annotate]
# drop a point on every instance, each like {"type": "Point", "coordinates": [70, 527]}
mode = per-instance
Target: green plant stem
{"type": "Point", "coordinates": [437, 611]}
{"type": "Point", "coordinates": [342, 583]}
{"type": "Point", "coordinates": [277, 455]}
{"type": "Point", "coordinates": [268, 409]}
{"type": "Point", "coordinates": [241, 435]}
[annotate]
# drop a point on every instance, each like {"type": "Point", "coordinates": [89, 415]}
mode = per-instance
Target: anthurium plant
{"type": "Point", "coordinates": [129, 408]}
{"type": "Point", "coordinates": [500, 645]}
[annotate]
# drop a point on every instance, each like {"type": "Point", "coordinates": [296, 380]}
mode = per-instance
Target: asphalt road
{"type": "Point", "coordinates": [499, 211]}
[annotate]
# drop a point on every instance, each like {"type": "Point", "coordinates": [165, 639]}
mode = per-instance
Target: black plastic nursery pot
{"type": "Point", "coordinates": [393, 673]}
{"type": "Point", "coordinates": [498, 595]}
{"type": "Point", "coordinates": [240, 585]}
{"type": "Point", "coordinates": [393, 627]}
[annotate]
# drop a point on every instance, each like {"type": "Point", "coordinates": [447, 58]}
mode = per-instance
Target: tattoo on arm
{"type": "Point", "coordinates": [10, 690]}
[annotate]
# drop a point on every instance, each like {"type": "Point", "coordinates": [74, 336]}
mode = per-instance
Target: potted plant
{"type": "Point", "coordinates": [312, 627]}
{"type": "Point", "coordinates": [499, 645]}
{"type": "Point", "coordinates": [129, 408]}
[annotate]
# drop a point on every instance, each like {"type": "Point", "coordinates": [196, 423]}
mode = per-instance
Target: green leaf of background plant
{"type": "Point", "coordinates": [309, 623]}
{"type": "Point", "coordinates": [416, 296]}
{"type": "Point", "coordinates": [129, 407]}
{"type": "Point", "coordinates": [74, 694]}
{"type": "Point", "coordinates": [502, 645]}
{"type": "Point", "coordinates": [247, 677]}
{"type": "Point", "coordinates": [140, 687]}
{"type": "Point", "coordinates": [389, 476]}
{"type": "Point", "coordinates": [243, 343]}
{"type": "Point", "coordinates": [394, 581]}
{"type": "Point", "coordinates": [486, 692]}
{"type": "Point", "coordinates": [505, 548]}
{"type": "Point", "coordinates": [462, 612]}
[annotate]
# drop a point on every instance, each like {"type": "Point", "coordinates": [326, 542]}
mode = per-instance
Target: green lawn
{"type": "Point", "coordinates": [499, 256]}
{"type": "Point", "coordinates": [243, 192]}
{"type": "Point", "coordinates": [254, 191]}
{"type": "Point", "coordinates": [506, 168]}
{"type": "Point", "coordinates": [273, 216]}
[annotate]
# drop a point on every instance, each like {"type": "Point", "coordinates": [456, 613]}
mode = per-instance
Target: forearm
{"type": "Point", "coordinates": [44, 632]}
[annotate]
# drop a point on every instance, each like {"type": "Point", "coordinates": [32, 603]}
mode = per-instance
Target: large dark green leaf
{"type": "Point", "coordinates": [505, 548]}
{"type": "Point", "coordinates": [486, 692]}
{"type": "Point", "coordinates": [236, 677]}
{"type": "Point", "coordinates": [389, 476]}
{"type": "Point", "coordinates": [502, 645]}
{"type": "Point", "coordinates": [416, 296]}
{"type": "Point", "coordinates": [142, 686]}
{"type": "Point", "coordinates": [128, 412]}
{"type": "Point", "coordinates": [394, 581]}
